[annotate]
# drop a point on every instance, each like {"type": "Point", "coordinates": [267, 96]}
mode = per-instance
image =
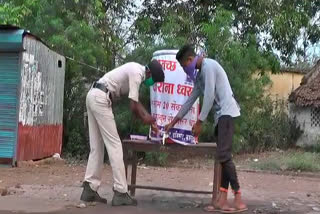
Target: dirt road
{"type": "Point", "coordinates": [55, 188]}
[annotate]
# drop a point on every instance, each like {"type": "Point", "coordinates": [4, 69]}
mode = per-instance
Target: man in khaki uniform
{"type": "Point", "coordinates": [122, 81]}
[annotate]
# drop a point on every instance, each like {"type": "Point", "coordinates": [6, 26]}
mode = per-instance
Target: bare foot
{"type": "Point", "coordinates": [238, 203]}
{"type": "Point", "coordinates": [210, 208]}
{"type": "Point", "coordinates": [222, 203]}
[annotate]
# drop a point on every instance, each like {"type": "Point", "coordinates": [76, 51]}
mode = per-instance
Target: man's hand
{"type": "Point", "coordinates": [196, 129]}
{"type": "Point", "coordinates": [168, 127]}
{"type": "Point", "coordinates": [171, 125]}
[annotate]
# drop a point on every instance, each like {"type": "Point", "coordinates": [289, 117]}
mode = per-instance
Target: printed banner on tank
{"type": "Point", "coordinates": [168, 97]}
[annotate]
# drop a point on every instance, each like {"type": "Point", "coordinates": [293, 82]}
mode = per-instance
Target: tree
{"type": "Point", "coordinates": [242, 35]}
{"type": "Point", "coordinates": [279, 24]}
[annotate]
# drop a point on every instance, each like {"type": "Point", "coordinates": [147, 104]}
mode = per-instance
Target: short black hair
{"type": "Point", "coordinates": [185, 52]}
{"type": "Point", "coordinates": [156, 70]}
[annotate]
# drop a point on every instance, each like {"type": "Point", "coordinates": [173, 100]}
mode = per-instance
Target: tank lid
{"type": "Point", "coordinates": [165, 52]}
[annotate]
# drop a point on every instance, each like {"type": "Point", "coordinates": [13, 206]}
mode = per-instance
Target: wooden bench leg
{"type": "Point", "coordinates": [133, 173]}
{"type": "Point", "coordinates": [125, 160]}
{"type": "Point", "coordinates": [216, 181]}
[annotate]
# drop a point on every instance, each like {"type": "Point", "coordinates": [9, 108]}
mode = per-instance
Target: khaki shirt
{"type": "Point", "coordinates": [125, 80]}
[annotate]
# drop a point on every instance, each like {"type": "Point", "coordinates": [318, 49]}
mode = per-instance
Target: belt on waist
{"type": "Point", "coordinates": [102, 88]}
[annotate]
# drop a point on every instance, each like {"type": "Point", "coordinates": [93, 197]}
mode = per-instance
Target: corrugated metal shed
{"type": "Point", "coordinates": [41, 101]}
{"type": "Point", "coordinates": [31, 96]}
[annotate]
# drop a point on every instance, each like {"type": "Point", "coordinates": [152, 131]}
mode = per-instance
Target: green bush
{"type": "Point", "coordinates": [267, 128]}
{"type": "Point", "coordinates": [156, 158]}
{"type": "Point", "coordinates": [314, 148]}
{"type": "Point", "coordinates": [76, 148]}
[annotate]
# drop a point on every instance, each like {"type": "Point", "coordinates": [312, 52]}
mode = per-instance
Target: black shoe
{"type": "Point", "coordinates": [88, 195]}
{"type": "Point", "coordinates": [123, 199]}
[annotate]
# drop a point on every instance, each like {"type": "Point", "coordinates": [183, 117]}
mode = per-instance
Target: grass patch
{"type": "Point", "coordinates": [314, 148]}
{"type": "Point", "coordinates": [271, 165]}
{"type": "Point", "coordinates": [306, 161]}
{"type": "Point", "coordinates": [293, 161]}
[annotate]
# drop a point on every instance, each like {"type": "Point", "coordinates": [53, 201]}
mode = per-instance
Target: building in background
{"type": "Point", "coordinates": [304, 107]}
{"type": "Point", "coordinates": [31, 97]}
{"type": "Point", "coordinates": [284, 82]}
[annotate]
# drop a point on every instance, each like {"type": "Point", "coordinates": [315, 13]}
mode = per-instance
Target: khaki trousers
{"type": "Point", "coordinates": [103, 131]}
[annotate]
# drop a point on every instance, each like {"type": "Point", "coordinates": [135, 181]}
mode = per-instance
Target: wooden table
{"type": "Point", "coordinates": [131, 147]}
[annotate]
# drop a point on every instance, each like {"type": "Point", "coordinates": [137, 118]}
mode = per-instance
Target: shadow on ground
{"type": "Point", "coordinates": [153, 204]}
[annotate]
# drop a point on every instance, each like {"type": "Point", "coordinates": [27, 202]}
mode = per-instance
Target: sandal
{"type": "Point", "coordinates": [211, 208]}
{"type": "Point", "coordinates": [234, 210]}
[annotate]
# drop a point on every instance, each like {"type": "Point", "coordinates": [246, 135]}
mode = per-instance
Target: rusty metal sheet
{"type": "Point", "coordinates": [36, 142]}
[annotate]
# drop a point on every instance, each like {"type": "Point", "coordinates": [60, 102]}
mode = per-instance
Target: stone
{"type": "Point", "coordinates": [274, 205]}
{"type": "Point", "coordinates": [188, 204]}
{"type": "Point", "coordinates": [316, 209]}
{"type": "Point", "coordinates": [185, 161]}
{"type": "Point", "coordinates": [4, 191]}
{"type": "Point", "coordinates": [56, 155]}
{"type": "Point", "coordinates": [81, 205]}
{"type": "Point", "coordinates": [92, 204]}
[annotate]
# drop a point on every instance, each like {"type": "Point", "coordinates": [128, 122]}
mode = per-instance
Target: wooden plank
{"type": "Point", "coordinates": [148, 142]}
{"type": "Point", "coordinates": [216, 181]}
{"type": "Point", "coordinates": [169, 189]}
{"type": "Point", "coordinates": [126, 160]}
{"type": "Point", "coordinates": [149, 146]}
{"type": "Point", "coordinates": [134, 173]}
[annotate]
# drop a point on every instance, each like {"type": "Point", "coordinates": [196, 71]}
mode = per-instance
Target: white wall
{"type": "Point", "coordinates": [302, 115]}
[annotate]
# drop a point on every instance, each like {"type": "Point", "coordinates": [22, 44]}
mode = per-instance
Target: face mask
{"type": "Point", "coordinates": [190, 69]}
{"type": "Point", "coordinates": [149, 82]}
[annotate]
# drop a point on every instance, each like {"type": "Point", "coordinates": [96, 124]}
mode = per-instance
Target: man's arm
{"type": "Point", "coordinates": [188, 104]}
{"type": "Point", "coordinates": [186, 107]}
{"type": "Point", "coordinates": [135, 106]}
{"type": "Point", "coordinates": [141, 112]}
{"type": "Point", "coordinates": [208, 95]}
